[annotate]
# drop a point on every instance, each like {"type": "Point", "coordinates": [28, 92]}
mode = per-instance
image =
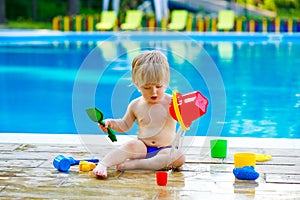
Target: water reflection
{"type": "Point", "coordinates": [225, 50]}
{"type": "Point", "coordinates": [245, 189]}
{"type": "Point", "coordinates": [109, 50]}
{"type": "Point", "coordinates": [262, 81]}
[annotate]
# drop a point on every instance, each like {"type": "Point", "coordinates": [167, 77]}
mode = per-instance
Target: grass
{"type": "Point", "coordinates": [29, 25]}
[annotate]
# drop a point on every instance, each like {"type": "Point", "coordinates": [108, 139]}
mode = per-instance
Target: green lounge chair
{"type": "Point", "coordinates": [225, 20]}
{"type": "Point", "coordinates": [178, 20]}
{"type": "Point", "coordinates": [107, 21]}
{"type": "Point", "coordinates": [133, 20]}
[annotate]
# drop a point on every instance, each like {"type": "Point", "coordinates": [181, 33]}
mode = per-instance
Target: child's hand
{"type": "Point", "coordinates": [104, 128]}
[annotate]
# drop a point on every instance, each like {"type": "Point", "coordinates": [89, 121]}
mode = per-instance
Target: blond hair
{"type": "Point", "coordinates": [150, 67]}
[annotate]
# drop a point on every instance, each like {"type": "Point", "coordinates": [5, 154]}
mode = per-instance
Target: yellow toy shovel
{"type": "Point", "coordinates": [262, 157]}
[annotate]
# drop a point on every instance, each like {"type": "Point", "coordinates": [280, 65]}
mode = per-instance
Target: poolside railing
{"type": "Point", "coordinates": [194, 23]}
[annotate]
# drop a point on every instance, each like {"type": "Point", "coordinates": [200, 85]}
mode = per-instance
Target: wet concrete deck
{"type": "Point", "coordinates": [27, 173]}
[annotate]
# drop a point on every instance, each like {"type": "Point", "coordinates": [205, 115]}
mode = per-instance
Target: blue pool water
{"type": "Point", "coordinates": [251, 81]}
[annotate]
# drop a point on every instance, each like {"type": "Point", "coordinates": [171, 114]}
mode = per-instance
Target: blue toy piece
{"type": "Point", "coordinates": [63, 164]}
{"type": "Point", "coordinates": [245, 173]}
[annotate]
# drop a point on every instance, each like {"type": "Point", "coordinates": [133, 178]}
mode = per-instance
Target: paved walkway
{"type": "Point", "coordinates": [27, 173]}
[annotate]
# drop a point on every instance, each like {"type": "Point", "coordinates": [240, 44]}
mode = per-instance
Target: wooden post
{"type": "Point", "coordinates": [90, 23]}
{"type": "Point", "coordinates": [151, 24]}
{"type": "Point", "coordinates": [264, 25]}
{"type": "Point", "coordinates": [290, 25]}
{"type": "Point", "coordinates": [200, 24]}
{"type": "Point", "coordinates": [163, 24]}
{"type": "Point", "coordinates": [207, 23]}
{"type": "Point", "coordinates": [251, 25]}
{"type": "Point", "coordinates": [189, 23]}
{"type": "Point", "coordinates": [55, 23]}
{"type": "Point", "coordinates": [214, 25]}
{"type": "Point", "coordinates": [66, 23]}
{"type": "Point", "coordinates": [277, 25]}
{"type": "Point", "coordinates": [78, 19]}
{"type": "Point", "coordinates": [239, 25]}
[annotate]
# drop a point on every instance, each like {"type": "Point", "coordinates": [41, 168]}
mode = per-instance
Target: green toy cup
{"type": "Point", "coordinates": [218, 148]}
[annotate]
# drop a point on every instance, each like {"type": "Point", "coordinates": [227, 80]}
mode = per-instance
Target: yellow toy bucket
{"type": "Point", "coordinates": [244, 159]}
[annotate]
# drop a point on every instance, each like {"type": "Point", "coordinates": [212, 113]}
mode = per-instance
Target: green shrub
{"type": "Point", "coordinates": [287, 4]}
{"type": "Point", "coordinates": [269, 5]}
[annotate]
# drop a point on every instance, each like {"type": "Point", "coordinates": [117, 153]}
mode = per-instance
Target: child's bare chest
{"type": "Point", "coordinates": [154, 115]}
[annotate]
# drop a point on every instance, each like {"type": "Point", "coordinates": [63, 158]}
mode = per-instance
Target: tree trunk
{"type": "Point", "coordinates": [34, 10]}
{"type": "Point", "coordinates": [89, 4]}
{"type": "Point", "coordinates": [2, 12]}
{"type": "Point", "coordinates": [73, 7]}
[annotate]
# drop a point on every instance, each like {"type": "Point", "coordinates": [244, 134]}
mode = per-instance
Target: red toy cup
{"type": "Point", "coordinates": [161, 178]}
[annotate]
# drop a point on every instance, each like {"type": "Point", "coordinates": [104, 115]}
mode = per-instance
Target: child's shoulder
{"type": "Point", "coordinates": [168, 97]}
{"type": "Point", "coordinates": [135, 101]}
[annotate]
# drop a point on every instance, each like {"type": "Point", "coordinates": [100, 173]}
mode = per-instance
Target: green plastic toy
{"type": "Point", "coordinates": [97, 116]}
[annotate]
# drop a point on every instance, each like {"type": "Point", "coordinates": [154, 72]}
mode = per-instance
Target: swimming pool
{"type": "Point", "coordinates": [48, 78]}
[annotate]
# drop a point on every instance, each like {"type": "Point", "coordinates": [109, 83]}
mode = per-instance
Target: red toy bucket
{"type": "Point", "coordinates": [187, 107]}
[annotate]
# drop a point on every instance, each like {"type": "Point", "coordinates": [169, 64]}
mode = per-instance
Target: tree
{"type": "Point", "coordinates": [2, 12]}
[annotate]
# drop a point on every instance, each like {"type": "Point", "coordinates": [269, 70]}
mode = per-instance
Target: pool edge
{"type": "Point", "coordinates": [203, 141]}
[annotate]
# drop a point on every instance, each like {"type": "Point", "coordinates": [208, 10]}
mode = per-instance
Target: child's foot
{"type": "Point", "coordinates": [100, 171]}
{"type": "Point", "coordinates": [120, 167]}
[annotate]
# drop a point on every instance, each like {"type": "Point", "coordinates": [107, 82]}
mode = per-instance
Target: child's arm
{"type": "Point", "coordinates": [121, 125]}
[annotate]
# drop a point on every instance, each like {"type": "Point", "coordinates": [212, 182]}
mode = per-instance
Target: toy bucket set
{"type": "Point", "coordinates": [186, 108]}
{"type": "Point", "coordinates": [244, 165]}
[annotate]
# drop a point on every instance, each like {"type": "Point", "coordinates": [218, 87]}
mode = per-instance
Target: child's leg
{"type": "Point", "coordinates": [131, 150]}
{"type": "Point", "coordinates": [161, 160]}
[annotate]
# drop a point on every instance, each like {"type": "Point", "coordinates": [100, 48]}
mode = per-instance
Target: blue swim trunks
{"type": "Point", "coordinates": [152, 151]}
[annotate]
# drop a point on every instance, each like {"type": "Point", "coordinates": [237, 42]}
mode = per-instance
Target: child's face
{"type": "Point", "coordinates": [153, 92]}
